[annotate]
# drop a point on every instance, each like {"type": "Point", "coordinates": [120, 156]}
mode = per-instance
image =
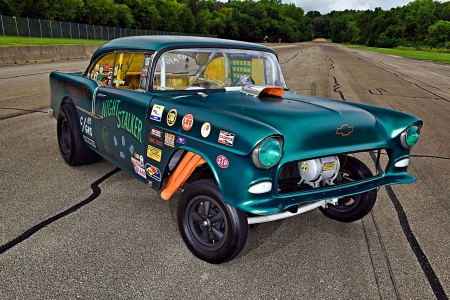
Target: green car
{"type": "Point", "coordinates": [215, 119]}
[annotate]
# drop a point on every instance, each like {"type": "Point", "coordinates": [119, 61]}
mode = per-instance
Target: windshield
{"type": "Point", "coordinates": [205, 68]}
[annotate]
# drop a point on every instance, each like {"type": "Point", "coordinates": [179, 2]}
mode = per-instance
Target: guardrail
{"type": "Point", "coordinates": [26, 27]}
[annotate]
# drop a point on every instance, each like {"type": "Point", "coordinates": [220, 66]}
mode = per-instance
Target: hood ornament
{"type": "Point", "coordinates": [345, 130]}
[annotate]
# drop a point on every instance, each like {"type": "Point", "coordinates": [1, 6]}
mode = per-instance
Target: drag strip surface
{"type": "Point", "coordinates": [93, 232]}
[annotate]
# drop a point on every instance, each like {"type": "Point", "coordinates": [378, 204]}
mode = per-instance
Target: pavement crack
{"type": "Point", "coordinates": [27, 234]}
{"type": "Point", "coordinates": [336, 89]}
{"type": "Point", "coordinates": [26, 112]}
{"type": "Point", "coordinates": [18, 76]}
{"type": "Point", "coordinates": [371, 259]}
{"type": "Point", "coordinates": [386, 257]}
{"type": "Point", "coordinates": [430, 156]}
{"type": "Point", "coordinates": [410, 82]}
{"type": "Point", "coordinates": [424, 263]}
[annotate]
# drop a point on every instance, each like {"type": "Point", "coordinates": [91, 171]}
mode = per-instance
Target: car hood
{"type": "Point", "coordinates": [310, 126]}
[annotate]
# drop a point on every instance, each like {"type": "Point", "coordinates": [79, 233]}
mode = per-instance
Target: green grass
{"type": "Point", "coordinates": [26, 41]}
{"type": "Point", "coordinates": [430, 54]}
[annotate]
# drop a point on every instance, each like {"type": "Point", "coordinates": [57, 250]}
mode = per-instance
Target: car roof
{"type": "Point", "coordinates": [160, 42]}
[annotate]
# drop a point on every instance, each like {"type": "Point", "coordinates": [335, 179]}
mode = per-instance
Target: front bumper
{"type": "Point", "coordinates": [271, 203]}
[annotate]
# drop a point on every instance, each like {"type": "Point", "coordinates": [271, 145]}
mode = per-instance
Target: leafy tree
{"type": "Point", "coordinates": [439, 33]}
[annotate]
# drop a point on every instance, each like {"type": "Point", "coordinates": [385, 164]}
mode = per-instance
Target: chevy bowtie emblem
{"type": "Point", "coordinates": [345, 130]}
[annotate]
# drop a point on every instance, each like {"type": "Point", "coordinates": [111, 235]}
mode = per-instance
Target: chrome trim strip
{"type": "Point", "coordinates": [89, 113]}
{"type": "Point", "coordinates": [288, 214]}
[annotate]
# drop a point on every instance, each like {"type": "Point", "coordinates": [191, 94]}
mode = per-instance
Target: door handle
{"type": "Point", "coordinates": [101, 95]}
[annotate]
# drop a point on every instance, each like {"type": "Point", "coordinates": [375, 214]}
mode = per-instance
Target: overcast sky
{"type": "Point", "coordinates": [325, 6]}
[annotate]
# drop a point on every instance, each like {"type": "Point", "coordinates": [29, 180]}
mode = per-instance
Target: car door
{"type": "Point", "coordinates": [121, 102]}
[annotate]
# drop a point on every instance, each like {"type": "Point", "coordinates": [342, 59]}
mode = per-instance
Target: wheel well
{"type": "Point", "coordinates": [66, 100]}
{"type": "Point", "coordinates": [203, 171]}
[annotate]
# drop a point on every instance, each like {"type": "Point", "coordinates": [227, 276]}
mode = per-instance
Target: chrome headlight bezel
{"type": "Point", "coordinates": [256, 152]}
{"type": "Point", "coordinates": [406, 133]}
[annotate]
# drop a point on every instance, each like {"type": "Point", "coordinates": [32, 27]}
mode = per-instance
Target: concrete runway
{"type": "Point", "coordinates": [94, 232]}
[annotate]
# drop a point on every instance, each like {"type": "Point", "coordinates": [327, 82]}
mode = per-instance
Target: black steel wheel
{"type": "Point", "coordinates": [70, 141]}
{"type": "Point", "coordinates": [212, 230]}
{"type": "Point", "coordinates": [355, 207]}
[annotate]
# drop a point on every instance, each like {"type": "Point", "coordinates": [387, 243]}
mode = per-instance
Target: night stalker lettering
{"type": "Point", "coordinates": [125, 120]}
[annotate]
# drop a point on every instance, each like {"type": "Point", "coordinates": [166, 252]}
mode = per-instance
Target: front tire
{"type": "Point", "coordinates": [70, 141]}
{"type": "Point", "coordinates": [212, 230]}
{"type": "Point", "coordinates": [355, 207]}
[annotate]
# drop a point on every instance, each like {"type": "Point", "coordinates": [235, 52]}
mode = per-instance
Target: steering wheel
{"type": "Point", "coordinates": [243, 80]}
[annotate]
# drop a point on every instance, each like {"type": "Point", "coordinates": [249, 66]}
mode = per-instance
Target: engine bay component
{"type": "Point", "coordinates": [315, 171]}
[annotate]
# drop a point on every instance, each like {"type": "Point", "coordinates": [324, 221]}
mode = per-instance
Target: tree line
{"type": "Point", "coordinates": [419, 23]}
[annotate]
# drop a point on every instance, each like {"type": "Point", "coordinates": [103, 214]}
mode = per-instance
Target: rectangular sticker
{"type": "Point", "coordinates": [329, 166]}
{"type": "Point", "coordinates": [169, 140]}
{"type": "Point", "coordinates": [157, 112]}
{"type": "Point", "coordinates": [89, 141]}
{"type": "Point", "coordinates": [155, 141]}
{"type": "Point", "coordinates": [154, 153]}
{"type": "Point", "coordinates": [156, 132]}
{"type": "Point", "coordinates": [226, 138]}
{"type": "Point", "coordinates": [140, 171]}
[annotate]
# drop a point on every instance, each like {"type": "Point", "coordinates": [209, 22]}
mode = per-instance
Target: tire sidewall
{"type": "Point", "coordinates": [65, 116]}
{"type": "Point", "coordinates": [237, 227]}
{"type": "Point", "coordinates": [78, 153]}
{"type": "Point", "coordinates": [366, 201]}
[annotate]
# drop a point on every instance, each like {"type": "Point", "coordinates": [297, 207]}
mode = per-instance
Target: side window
{"type": "Point", "coordinates": [102, 71]}
{"type": "Point", "coordinates": [128, 70]}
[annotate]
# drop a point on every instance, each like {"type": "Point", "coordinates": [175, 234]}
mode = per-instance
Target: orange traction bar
{"type": "Point", "coordinates": [184, 169]}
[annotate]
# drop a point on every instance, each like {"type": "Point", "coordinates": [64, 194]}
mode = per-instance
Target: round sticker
{"type": "Point", "coordinates": [304, 166]}
{"type": "Point", "coordinates": [206, 129]}
{"type": "Point", "coordinates": [188, 121]}
{"type": "Point", "coordinates": [171, 117]}
{"type": "Point", "coordinates": [222, 161]}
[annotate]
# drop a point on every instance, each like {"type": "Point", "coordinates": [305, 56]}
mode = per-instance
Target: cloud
{"type": "Point", "coordinates": [325, 6]}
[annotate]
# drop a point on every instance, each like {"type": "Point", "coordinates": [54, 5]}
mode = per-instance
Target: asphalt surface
{"type": "Point", "coordinates": [94, 232]}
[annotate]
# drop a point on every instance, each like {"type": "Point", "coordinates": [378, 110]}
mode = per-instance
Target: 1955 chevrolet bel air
{"type": "Point", "coordinates": [215, 118]}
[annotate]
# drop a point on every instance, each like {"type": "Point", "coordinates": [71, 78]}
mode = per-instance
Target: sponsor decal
{"type": "Point", "coordinates": [86, 124]}
{"type": "Point", "coordinates": [169, 139]}
{"type": "Point", "coordinates": [154, 153]}
{"type": "Point", "coordinates": [226, 138]}
{"type": "Point", "coordinates": [79, 90]}
{"type": "Point", "coordinates": [304, 166]}
{"type": "Point", "coordinates": [187, 122]}
{"type": "Point", "coordinates": [171, 117]}
{"type": "Point", "coordinates": [345, 130]}
{"type": "Point", "coordinates": [125, 120]}
{"type": "Point", "coordinates": [153, 172]}
{"type": "Point", "coordinates": [143, 82]}
{"type": "Point", "coordinates": [147, 61]}
{"type": "Point", "coordinates": [222, 161]}
{"type": "Point", "coordinates": [156, 132]}
{"type": "Point", "coordinates": [181, 140]}
{"type": "Point", "coordinates": [206, 129]}
{"type": "Point", "coordinates": [329, 166]}
{"type": "Point", "coordinates": [135, 162]}
{"type": "Point", "coordinates": [155, 141]}
{"type": "Point", "coordinates": [89, 141]}
{"type": "Point", "coordinates": [157, 112]}
{"type": "Point", "coordinates": [140, 171]}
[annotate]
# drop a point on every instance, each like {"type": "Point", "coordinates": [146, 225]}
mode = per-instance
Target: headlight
{"type": "Point", "coordinates": [410, 136]}
{"type": "Point", "coordinates": [268, 153]}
